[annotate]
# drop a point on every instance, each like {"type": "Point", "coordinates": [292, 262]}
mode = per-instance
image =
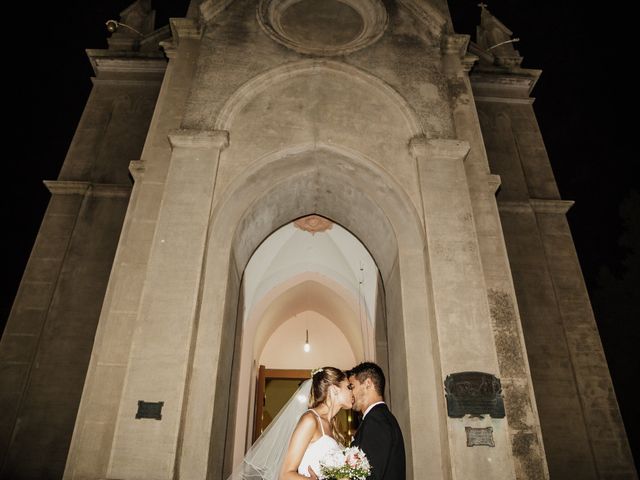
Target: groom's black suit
{"type": "Point", "coordinates": [380, 438]}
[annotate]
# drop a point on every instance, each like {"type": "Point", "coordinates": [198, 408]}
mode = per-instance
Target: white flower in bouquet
{"type": "Point", "coordinates": [349, 463]}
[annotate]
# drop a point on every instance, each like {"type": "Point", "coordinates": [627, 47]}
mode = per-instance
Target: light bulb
{"type": "Point", "coordinates": [307, 347]}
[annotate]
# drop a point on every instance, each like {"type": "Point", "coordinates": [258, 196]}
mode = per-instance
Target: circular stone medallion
{"type": "Point", "coordinates": [323, 27]}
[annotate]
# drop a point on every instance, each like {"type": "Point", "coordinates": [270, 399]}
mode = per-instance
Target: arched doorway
{"type": "Point", "coordinates": [351, 190]}
{"type": "Point", "coordinates": [310, 280]}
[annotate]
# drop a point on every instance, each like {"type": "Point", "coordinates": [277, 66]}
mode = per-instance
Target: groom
{"type": "Point", "coordinates": [378, 435]}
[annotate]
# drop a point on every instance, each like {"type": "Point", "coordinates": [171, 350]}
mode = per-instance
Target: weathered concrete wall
{"type": "Point", "coordinates": [582, 429]}
{"type": "Point", "coordinates": [46, 347]}
{"type": "Point", "coordinates": [95, 425]}
{"type": "Point", "coordinates": [48, 341]}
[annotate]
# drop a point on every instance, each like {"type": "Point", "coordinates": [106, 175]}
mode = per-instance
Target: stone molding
{"type": "Point", "coordinates": [551, 206]}
{"type": "Point", "coordinates": [374, 23]}
{"type": "Point", "coordinates": [62, 187]}
{"type": "Point", "coordinates": [199, 139]}
{"type": "Point", "coordinates": [70, 187]}
{"type": "Point", "coordinates": [536, 205]}
{"type": "Point", "coordinates": [494, 182]}
{"type": "Point", "coordinates": [420, 148]}
{"type": "Point", "coordinates": [494, 82]}
{"type": "Point", "coordinates": [136, 169]}
{"type": "Point", "coordinates": [468, 61]}
{"type": "Point", "coordinates": [488, 99]}
{"type": "Point", "coordinates": [105, 61]}
{"type": "Point", "coordinates": [126, 82]}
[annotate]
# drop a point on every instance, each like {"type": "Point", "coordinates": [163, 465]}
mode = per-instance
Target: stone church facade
{"type": "Point", "coordinates": [202, 138]}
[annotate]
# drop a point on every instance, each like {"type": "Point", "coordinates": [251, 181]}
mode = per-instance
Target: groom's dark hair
{"type": "Point", "coordinates": [372, 371]}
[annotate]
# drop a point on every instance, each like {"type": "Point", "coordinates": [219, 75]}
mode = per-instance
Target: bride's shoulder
{"type": "Point", "coordinates": [306, 424]}
{"type": "Point", "coordinates": [308, 417]}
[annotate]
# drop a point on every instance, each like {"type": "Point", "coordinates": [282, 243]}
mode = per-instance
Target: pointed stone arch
{"type": "Point", "coordinates": [328, 181]}
{"type": "Point", "coordinates": [259, 84]}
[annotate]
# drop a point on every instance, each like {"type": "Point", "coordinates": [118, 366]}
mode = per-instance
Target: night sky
{"type": "Point", "coordinates": [585, 55]}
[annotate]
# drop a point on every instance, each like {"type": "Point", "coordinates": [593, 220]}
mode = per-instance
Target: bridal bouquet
{"type": "Point", "coordinates": [350, 463]}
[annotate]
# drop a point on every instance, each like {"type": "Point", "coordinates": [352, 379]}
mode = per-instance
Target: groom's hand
{"type": "Point", "coordinates": [312, 473]}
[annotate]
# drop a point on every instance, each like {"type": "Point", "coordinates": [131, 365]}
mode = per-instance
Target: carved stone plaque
{"type": "Point", "coordinates": [479, 436]}
{"type": "Point", "coordinates": [474, 393]}
{"type": "Point", "coordinates": [149, 410]}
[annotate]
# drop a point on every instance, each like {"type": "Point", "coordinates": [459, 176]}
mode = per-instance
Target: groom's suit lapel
{"type": "Point", "coordinates": [357, 439]}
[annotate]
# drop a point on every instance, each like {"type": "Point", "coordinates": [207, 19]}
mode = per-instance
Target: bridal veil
{"type": "Point", "coordinates": [265, 457]}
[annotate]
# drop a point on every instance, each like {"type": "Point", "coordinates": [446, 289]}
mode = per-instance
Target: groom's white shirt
{"type": "Point", "coordinates": [370, 407]}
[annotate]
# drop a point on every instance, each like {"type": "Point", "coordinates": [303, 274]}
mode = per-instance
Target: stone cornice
{"type": "Point", "coordinates": [200, 139]}
{"type": "Point", "coordinates": [106, 61]}
{"type": "Point", "coordinates": [487, 82]}
{"type": "Point", "coordinates": [537, 205]}
{"type": "Point", "coordinates": [527, 101]}
{"type": "Point", "coordinates": [125, 82]}
{"type": "Point", "coordinates": [62, 187]}
{"type": "Point", "coordinates": [421, 147]}
{"type": "Point", "coordinates": [468, 61]}
{"type": "Point", "coordinates": [70, 187]}
{"type": "Point", "coordinates": [540, 205]}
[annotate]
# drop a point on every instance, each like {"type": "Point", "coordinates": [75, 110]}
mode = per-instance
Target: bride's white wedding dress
{"type": "Point", "coordinates": [317, 450]}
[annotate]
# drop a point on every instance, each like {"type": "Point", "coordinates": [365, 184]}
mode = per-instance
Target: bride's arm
{"type": "Point", "coordinates": [300, 439]}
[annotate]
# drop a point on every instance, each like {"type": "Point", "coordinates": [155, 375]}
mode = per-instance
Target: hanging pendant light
{"type": "Point", "coordinates": [307, 346]}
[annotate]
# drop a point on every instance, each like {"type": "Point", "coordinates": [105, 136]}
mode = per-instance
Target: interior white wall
{"type": "Point", "coordinates": [329, 346]}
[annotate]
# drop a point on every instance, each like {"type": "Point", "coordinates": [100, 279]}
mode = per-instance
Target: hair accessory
{"type": "Point", "coordinates": [313, 372]}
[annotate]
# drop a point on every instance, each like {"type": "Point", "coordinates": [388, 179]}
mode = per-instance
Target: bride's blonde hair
{"type": "Point", "coordinates": [322, 379]}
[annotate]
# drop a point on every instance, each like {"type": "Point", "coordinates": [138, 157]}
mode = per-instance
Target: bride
{"type": "Point", "coordinates": [302, 433]}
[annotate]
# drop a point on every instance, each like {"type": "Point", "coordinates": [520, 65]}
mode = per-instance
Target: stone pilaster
{"type": "Point", "coordinates": [160, 351]}
{"type": "Point", "coordinates": [524, 428]}
{"type": "Point", "coordinates": [92, 440]}
{"type": "Point", "coordinates": [597, 399]}
{"type": "Point", "coordinates": [460, 299]}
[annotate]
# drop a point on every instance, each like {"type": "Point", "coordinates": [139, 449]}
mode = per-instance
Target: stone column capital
{"type": "Point", "coordinates": [422, 148]}
{"type": "Point", "coordinates": [199, 139]}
